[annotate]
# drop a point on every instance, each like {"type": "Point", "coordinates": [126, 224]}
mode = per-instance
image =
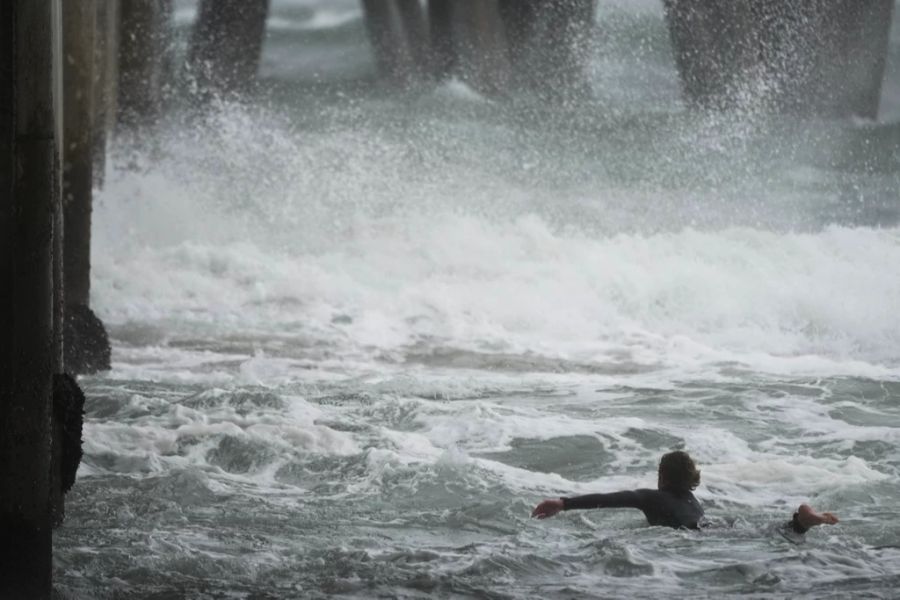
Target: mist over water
{"type": "Point", "coordinates": [360, 332]}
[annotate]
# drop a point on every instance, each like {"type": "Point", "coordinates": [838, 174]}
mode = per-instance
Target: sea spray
{"type": "Point", "coordinates": [359, 334]}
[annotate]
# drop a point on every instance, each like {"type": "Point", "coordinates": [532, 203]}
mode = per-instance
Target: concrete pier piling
{"type": "Point", "coordinates": [480, 46]}
{"type": "Point", "coordinates": [226, 45]}
{"type": "Point", "coordinates": [570, 26]}
{"type": "Point", "coordinates": [494, 45]}
{"type": "Point", "coordinates": [414, 23]}
{"type": "Point", "coordinates": [144, 60]}
{"type": "Point", "coordinates": [522, 26]}
{"type": "Point", "coordinates": [825, 58]}
{"type": "Point", "coordinates": [57, 506]}
{"type": "Point", "coordinates": [815, 57]}
{"type": "Point", "coordinates": [548, 43]}
{"type": "Point", "coordinates": [384, 26]}
{"type": "Point", "coordinates": [79, 26]}
{"type": "Point", "coordinates": [86, 343]}
{"type": "Point", "coordinates": [28, 178]}
{"type": "Point", "coordinates": [67, 421]}
{"type": "Point", "coordinates": [440, 32]}
{"type": "Point", "coordinates": [106, 62]}
{"type": "Point", "coordinates": [58, 217]}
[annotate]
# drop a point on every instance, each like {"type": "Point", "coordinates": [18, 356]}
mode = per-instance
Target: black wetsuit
{"type": "Point", "coordinates": [661, 507]}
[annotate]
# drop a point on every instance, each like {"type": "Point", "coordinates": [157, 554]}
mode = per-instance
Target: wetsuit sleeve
{"type": "Point", "coordinates": [795, 526]}
{"type": "Point", "coordinates": [627, 499]}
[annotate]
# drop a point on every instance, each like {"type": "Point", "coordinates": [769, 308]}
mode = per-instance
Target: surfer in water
{"type": "Point", "coordinates": [672, 504]}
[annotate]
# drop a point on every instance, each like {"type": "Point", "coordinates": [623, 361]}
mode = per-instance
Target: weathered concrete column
{"type": "Point", "coordinates": [415, 30]}
{"type": "Point", "coordinates": [570, 26]}
{"type": "Point", "coordinates": [823, 57]}
{"type": "Point", "coordinates": [144, 60]}
{"type": "Point", "coordinates": [226, 45]}
{"type": "Point", "coordinates": [57, 500]}
{"type": "Point", "coordinates": [709, 40]}
{"type": "Point", "coordinates": [385, 29]}
{"type": "Point", "coordinates": [27, 178]}
{"type": "Point", "coordinates": [816, 57]}
{"type": "Point", "coordinates": [480, 43]}
{"type": "Point", "coordinates": [863, 74]}
{"type": "Point", "coordinates": [67, 423]}
{"type": "Point", "coordinates": [520, 22]}
{"type": "Point", "coordinates": [85, 341]}
{"type": "Point", "coordinates": [440, 29]}
{"type": "Point", "coordinates": [59, 313]}
{"type": "Point", "coordinates": [67, 398]}
{"type": "Point", "coordinates": [79, 20]}
{"type": "Point", "coordinates": [548, 42]}
{"type": "Point", "coordinates": [106, 62]}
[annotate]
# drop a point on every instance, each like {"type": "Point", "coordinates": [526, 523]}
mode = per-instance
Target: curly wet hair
{"type": "Point", "coordinates": [678, 472]}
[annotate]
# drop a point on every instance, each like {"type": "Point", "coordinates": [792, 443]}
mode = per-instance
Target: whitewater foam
{"type": "Point", "coordinates": [803, 302]}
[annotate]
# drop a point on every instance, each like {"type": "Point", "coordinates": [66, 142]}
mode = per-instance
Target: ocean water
{"type": "Point", "coordinates": [360, 332]}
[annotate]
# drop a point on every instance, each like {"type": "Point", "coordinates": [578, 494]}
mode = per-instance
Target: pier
{"type": "Point", "coordinates": [75, 75]}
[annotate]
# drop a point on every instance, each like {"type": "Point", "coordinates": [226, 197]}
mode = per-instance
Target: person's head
{"type": "Point", "coordinates": [677, 472]}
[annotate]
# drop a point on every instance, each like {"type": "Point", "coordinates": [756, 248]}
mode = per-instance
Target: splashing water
{"type": "Point", "coordinates": [360, 333]}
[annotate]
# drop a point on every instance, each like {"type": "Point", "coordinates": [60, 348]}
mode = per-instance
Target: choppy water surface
{"type": "Point", "coordinates": [360, 333]}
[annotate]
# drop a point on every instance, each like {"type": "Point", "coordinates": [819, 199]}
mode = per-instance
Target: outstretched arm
{"type": "Point", "coordinates": [549, 508]}
{"type": "Point", "coordinates": [806, 518]}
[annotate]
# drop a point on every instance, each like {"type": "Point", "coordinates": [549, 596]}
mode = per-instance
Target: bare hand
{"type": "Point", "coordinates": [810, 518]}
{"type": "Point", "coordinates": [547, 508]}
